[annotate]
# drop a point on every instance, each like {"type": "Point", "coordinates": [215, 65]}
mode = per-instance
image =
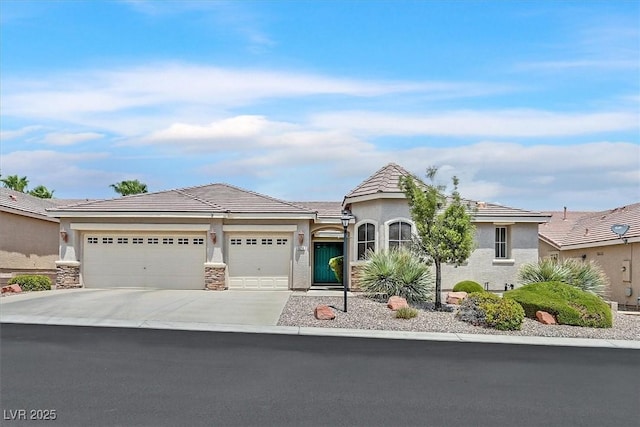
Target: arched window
{"type": "Point", "coordinates": [399, 234]}
{"type": "Point", "coordinates": [366, 239]}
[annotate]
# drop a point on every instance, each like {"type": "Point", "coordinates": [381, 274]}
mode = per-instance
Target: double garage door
{"type": "Point", "coordinates": [148, 260]}
{"type": "Point", "coordinates": [259, 260]}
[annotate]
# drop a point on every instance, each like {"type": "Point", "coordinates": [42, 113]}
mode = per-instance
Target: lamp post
{"type": "Point", "coordinates": [345, 218]}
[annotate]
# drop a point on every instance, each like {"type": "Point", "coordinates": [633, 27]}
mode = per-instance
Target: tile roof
{"type": "Point", "coordinates": [584, 228]}
{"type": "Point", "coordinates": [324, 209]}
{"type": "Point", "coordinates": [385, 180]}
{"type": "Point", "coordinates": [23, 202]}
{"type": "Point", "coordinates": [211, 198]}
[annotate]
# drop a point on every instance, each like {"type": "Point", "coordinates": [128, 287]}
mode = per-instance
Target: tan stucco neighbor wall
{"type": "Point", "coordinates": [611, 258]}
{"type": "Point", "coordinates": [27, 243]}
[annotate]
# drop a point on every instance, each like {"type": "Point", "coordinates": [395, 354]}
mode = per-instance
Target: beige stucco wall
{"type": "Point", "coordinates": [27, 243]}
{"type": "Point", "coordinates": [481, 266]}
{"type": "Point", "coordinates": [611, 259]}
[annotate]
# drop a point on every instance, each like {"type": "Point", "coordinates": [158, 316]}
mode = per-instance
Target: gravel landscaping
{"type": "Point", "coordinates": [366, 313]}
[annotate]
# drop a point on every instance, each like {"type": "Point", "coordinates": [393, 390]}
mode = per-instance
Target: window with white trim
{"type": "Point", "coordinates": [501, 247]}
{"type": "Point", "coordinates": [399, 234]}
{"type": "Point", "coordinates": [366, 239]}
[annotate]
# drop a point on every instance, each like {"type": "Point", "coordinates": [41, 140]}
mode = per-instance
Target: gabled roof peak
{"type": "Point", "coordinates": [384, 180]}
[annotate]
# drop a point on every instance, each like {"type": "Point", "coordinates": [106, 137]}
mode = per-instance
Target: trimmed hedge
{"type": "Point", "coordinates": [569, 305]}
{"type": "Point", "coordinates": [468, 286]}
{"type": "Point", "coordinates": [31, 282]}
{"type": "Point", "coordinates": [487, 309]}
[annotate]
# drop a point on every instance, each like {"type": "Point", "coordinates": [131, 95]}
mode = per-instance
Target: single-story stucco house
{"type": "Point", "coordinates": [218, 236]}
{"type": "Point", "coordinates": [589, 236]}
{"type": "Point", "coordinates": [28, 236]}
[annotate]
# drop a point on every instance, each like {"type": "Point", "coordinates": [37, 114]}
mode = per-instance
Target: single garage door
{"type": "Point", "coordinates": [165, 261]}
{"type": "Point", "coordinates": [259, 261]}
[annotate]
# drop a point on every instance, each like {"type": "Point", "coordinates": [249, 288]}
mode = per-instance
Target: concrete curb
{"type": "Point", "coordinates": [325, 332]}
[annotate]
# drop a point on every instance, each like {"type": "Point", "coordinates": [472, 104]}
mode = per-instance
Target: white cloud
{"type": "Point", "coordinates": [62, 138]}
{"type": "Point", "coordinates": [500, 123]}
{"type": "Point", "coordinates": [168, 89]}
{"type": "Point", "coordinates": [17, 133]}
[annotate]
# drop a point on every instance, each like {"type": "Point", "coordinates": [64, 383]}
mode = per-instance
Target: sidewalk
{"type": "Point", "coordinates": [241, 312]}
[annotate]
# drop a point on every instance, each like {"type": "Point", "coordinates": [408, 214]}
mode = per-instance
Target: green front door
{"type": "Point", "coordinates": [322, 273]}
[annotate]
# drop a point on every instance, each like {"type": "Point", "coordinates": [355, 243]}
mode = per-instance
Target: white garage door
{"type": "Point", "coordinates": [259, 261]}
{"type": "Point", "coordinates": [165, 261]}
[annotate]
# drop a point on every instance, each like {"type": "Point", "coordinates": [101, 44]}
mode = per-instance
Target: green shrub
{"type": "Point", "coordinates": [505, 315]}
{"type": "Point", "coordinates": [587, 276]}
{"type": "Point", "coordinates": [473, 308]}
{"type": "Point", "coordinates": [569, 305]}
{"type": "Point", "coordinates": [406, 313]}
{"type": "Point", "coordinates": [31, 282]}
{"type": "Point", "coordinates": [396, 272]}
{"type": "Point", "coordinates": [336, 264]}
{"type": "Point", "coordinates": [468, 286]}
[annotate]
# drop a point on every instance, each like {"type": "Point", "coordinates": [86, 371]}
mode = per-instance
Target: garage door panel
{"type": "Point", "coordinates": [259, 261]}
{"type": "Point", "coordinates": [144, 260]}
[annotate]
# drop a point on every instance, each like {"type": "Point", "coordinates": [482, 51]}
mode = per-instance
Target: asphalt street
{"type": "Point", "coordinates": [85, 376]}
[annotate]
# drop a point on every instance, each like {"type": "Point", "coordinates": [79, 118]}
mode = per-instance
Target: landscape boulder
{"type": "Point", "coordinates": [545, 318]}
{"type": "Point", "coordinates": [324, 312]}
{"type": "Point", "coordinates": [396, 302]}
{"type": "Point", "coordinates": [455, 297]}
{"type": "Point", "coordinates": [11, 289]}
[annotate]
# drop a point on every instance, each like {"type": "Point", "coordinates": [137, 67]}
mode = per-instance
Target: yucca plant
{"type": "Point", "coordinates": [587, 276]}
{"type": "Point", "coordinates": [396, 272]}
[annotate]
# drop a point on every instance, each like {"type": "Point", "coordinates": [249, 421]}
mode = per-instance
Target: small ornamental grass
{"type": "Point", "coordinates": [587, 276]}
{"type": "Point", "coordinates": [406, 313]}
{"type": "Point", "coordinates": [468, 286]}
{"type": "Point", "coordinates": [31, 282]}
{"type": "Point", "coordinates": [487, 309]}
{"type": "Point", "coordinates": [396, 272]}
{"type": "Point", "coordinates": [570, 306]}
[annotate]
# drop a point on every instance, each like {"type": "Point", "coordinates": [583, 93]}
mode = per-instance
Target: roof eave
{"type": "Point", "coordinates": [28, 214]}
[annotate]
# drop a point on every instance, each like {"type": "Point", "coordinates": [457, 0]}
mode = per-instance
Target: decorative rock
{"type": "Point", "coordinates": [324, 312]}
{"type": "Point", "coordinates": [396, 302]}
{"type": "Point", "coordinates": [11, 289]}
{"type": "Point", "coordinates": [545, 318]}
{"type": "Point", "coordinates": [455, 297]}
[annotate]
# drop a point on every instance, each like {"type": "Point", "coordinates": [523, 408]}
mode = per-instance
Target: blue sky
{"type": "Point", "coordinates": [531, 104]}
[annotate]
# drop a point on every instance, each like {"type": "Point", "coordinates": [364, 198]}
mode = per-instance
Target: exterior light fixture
{"type": "Point", "coordinates": [213, 236]}
{"type": "Point", "coordinates": [620, 230]}
{"type": "Point", "coordinates": [345, 219]}
{"type": "Point", "coordinates": [64, 236]}
{"type": "Point", "coordinates": [300, 237]}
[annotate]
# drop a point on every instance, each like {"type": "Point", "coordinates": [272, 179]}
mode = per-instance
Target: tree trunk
{"type": "Point", "coordinates": [438, 304]}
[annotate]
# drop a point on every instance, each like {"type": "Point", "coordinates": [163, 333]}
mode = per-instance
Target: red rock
{"type": "Point", "coordinates": [455, 297]}
{"type": "Point", "coordinates": [11, 288]}
{"type": "Point", "coordinates": [324, 312]}
{"type": "Point", "coordinates": [396, 302]}
{"type": "Point", "coordinates": [545, 318]}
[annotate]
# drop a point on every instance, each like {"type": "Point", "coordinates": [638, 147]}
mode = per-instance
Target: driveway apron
{"type": "Point", "coordinates": [141, 305]}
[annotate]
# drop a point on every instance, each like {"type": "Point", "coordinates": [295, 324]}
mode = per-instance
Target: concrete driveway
{"type": "Point", "coordinates": [140, 307]}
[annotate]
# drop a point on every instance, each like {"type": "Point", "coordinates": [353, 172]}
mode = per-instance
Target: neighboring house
{"type": "Point", "coordinates": [588, 236]}
{"type": "Point", "coordinates": [222, 237]}
{"type": "Point", "coordinates": [505, 237]}
{"type": "Point", "coordinates": [28, 236]}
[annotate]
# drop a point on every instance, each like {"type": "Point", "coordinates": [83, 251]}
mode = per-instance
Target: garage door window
{"type": "Point", "coordinates": [198, 241]}
{"type": "Point", "coordinates": [92, 240]}
{"type": "Point", "coordinates": [281, 241]}
{"type": "Point", "coordinates": [107, 240]}
{"type": "Point", "coordinates": [267, 241]}
{"type": "Point", "coordinates": [251, 241]}
{"type": "Point", "coordinates": [167, 241]}
{"type": "Point", "coordinates": [137, 240]}
{"type": "Point", "coordinates": [123, 240]}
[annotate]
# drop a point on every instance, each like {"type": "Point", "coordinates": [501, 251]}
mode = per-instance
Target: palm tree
{"type": "Point", "coordinates": [42, 192]}
{"type": "Point", "coordinates": [15, 183]}
{"type": "Point", "coordinates": [126, 188]}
